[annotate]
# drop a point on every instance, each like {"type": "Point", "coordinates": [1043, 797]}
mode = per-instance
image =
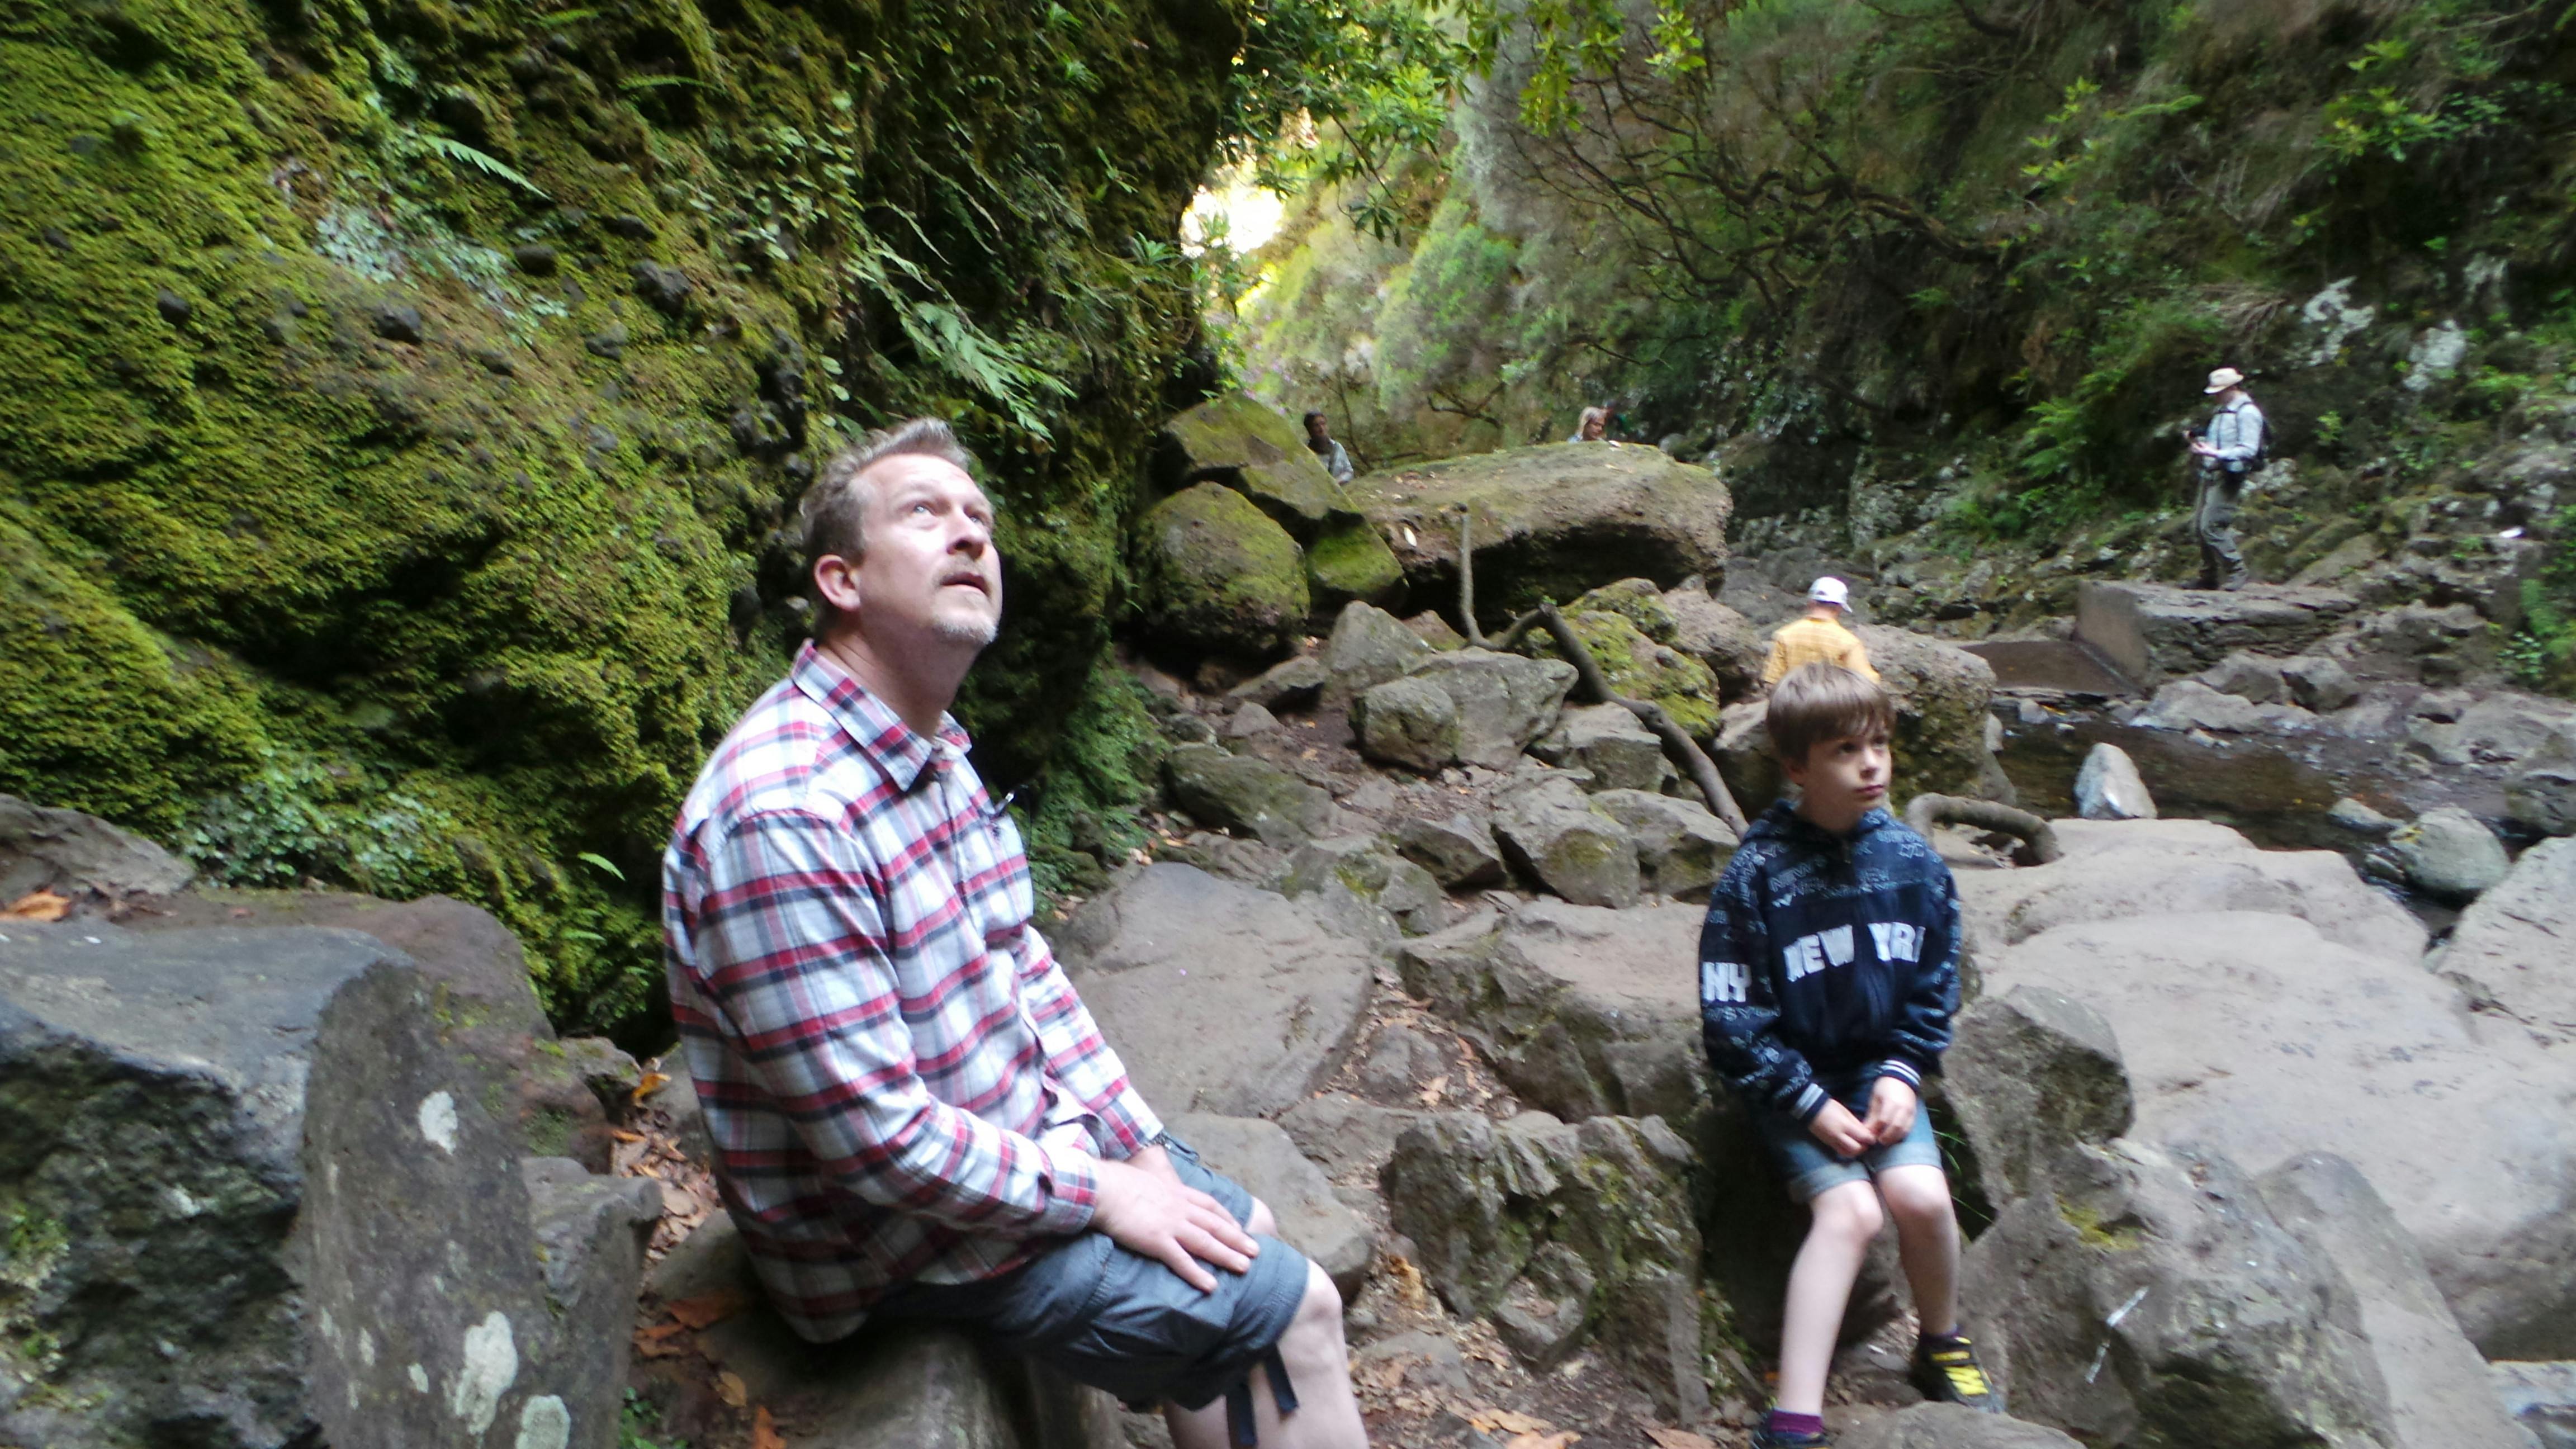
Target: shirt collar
{"type": "Point", "coordinates": [881, 734]}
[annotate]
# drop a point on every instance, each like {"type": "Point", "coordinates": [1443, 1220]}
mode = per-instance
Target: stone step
{"type": "Point", "coordinates": [2155, 632]}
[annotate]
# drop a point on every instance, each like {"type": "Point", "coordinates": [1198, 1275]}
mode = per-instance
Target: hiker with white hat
{"type": "Point", "coordinates": [2228, 449]}
{"type": "Point", "coordinates": [1818, 637]}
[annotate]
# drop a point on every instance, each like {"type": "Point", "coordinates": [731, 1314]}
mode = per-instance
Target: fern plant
{"type": "Point", "coordinates": [489, 165]}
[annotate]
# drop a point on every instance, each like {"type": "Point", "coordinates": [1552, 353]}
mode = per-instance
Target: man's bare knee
{"type": "Point", "coordinates": [1261, 1224]}
{"type": "Point", "coordinates": [1314, 1336]}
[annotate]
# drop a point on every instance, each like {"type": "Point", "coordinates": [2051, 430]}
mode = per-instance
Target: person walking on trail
{"type": "Point", "coordinates": [1592, 427]}
{"type": "Point", "coordinates": [1828, 974]}
{"type": "Point", "coordinates": [915, 1117]}
{"type": "Point", "coordinates": [2226, 450]}
{"type": "Point", "coordinates": [1319, 437]}
{"type": "Point", "coordinates": [1818, 636]}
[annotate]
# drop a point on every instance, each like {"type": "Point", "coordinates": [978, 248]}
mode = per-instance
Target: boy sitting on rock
{"type": "Point", "coordinates": [1828, 972]}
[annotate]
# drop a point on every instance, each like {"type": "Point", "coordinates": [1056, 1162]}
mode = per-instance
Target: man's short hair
{"type": "Point", "coordinates": [1821, 702]}
{"type": "Point", "coordinates": [1313, 418]}
{"type": "Point", "coordinates": [835, 508]}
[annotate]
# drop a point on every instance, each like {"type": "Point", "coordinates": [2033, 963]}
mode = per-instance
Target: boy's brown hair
{"type": "Point", "coordinates": [1821, 702]}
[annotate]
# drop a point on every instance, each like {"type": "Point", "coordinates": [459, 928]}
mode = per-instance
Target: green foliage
{"type": "Point", "coordinates": [1374, 78]}
{"type": "Point", "coordinates": [639, 1426]}
{"type": "Point", "coordinates": [460, 152]}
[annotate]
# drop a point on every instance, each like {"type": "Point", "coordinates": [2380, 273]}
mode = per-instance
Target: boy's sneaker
{"type": "Point", "coordinates": [1767, 1437]}
{"type": "Point", "coordinates": [1947, 1372]}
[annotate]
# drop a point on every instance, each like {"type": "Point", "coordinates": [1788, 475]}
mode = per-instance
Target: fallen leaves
{"type": "Point", "coordinates": [662, 1340]}
{"type": "Point", "coordinates": [731, 1389]}
{"type": "Point", "coordinates": [1431, 1090]}
{"type": "Point", "coordinates": [708, 1309]}
{"type": "Point", "coordinates": [38, 905]}
{"type": "Point", "coordinates": [651, 1082]}
{"type": "Point", "coordinates": [1541, 1441]}
{"type": "Point", "coordinates": [764, 1431]}
{"type": "Point", "coordinates": [1680, 1439]}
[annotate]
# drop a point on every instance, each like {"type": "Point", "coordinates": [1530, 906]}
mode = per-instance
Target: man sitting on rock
{"type": "Point", "coordinates": [1321, 442]}
{"type": "Point", "coordinates": [1828, 973]}
{"type": "Point", "coordinates": [914, 1116]}
{"type": "Point", "coordinates": [1818, 636]}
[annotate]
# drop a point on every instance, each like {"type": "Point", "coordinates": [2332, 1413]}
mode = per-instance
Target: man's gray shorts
{"type": "Point", "coordinates": [1125, 1323]}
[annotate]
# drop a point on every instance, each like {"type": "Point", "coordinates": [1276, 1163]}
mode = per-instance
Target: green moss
{"type": "Point", "coordinates": [1220, 575]}
{"type": "Point", "coordinates": [1640, 668]}
{"type": "Point", "coordinates": [1349, 561]}
{"type": "Point", "coordinates": [2093, 1232]}
{"type": "Point", "coordinates": [334, 542]}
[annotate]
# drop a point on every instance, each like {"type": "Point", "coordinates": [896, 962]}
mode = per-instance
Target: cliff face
{"type": "Point", "coordinates": [406, 401]}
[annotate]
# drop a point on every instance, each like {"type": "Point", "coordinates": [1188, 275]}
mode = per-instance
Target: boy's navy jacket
{"type": "Point", "coordinates": [1828, 957]}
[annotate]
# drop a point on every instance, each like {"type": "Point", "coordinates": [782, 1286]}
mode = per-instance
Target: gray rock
{"type": "Point", "coordinates": [1408, 722]}
{"type": "Point", "coordinates": [1948, 1426]}
{"type": "Point", "coordinates": [1551, 833]}
{"type": "Point", "coordinates": [889, 1386]}
{"type": "Point", "coordinates": [2514, 949]}
{"type": "Point", "coordinates": [2318, 684]}
{"type": "Point", "coordinates": [2133, 868]}
{"type": "Point", "coordinates": [2293, 1042]}
{"type": "Point", "coordinates": [395, 322]}
{"type": "Point", "coordinates": [1744, 759]}
{"type": "Point", "coordinates": [590, 1233]}
{"type": "Point", "coordinates": [2188, 704]}
{"type": "Point", "coordinates": [1681, 847]}
{"type": "Point", "coordinates": [1217, 996]}
{"type": "Point", "coordinates": [2541, 796]}
{"type": "Point", "coordinates": [1399, 1061]}
{"type": "Point", "coordinates": [1726, 641]}
{"type": "Point", "coordinates": [1607, 741]}
{"type": "Point", "coordinates": [1458, 850]}
{"type": "Point", "coordinates": [1368, 647]}
{"type": "Point", "coordinates": [2359, 818]}
{"type": "Point", "coordinates": [2033, 1075]}
{"type": "Point", "coordinates": [1247, 795]}
{"type": "Point", "coordinates": [2541, 1397]}
{"type": "Point", "coordinates": [1943, 696]}
{"type": "Point", "coordinates": [1359, 868]}
{"type": "Point", "coordinates": [1216, 574]}
{"type": "Point", "coordinates": [2247, 676]}
{"type": "Point", "coordinates": [1427, 1361]}
{"type": "Point", "coordinates": [2489, 729]}
{"type": "Point", "coordinates": [296, 1178]}
{"type": "Point", "coordinates": [1251, 720]}
{"type": "Point", "coordinates": [2155, 632]}
{"type": "Point", "coordinates": [1504, 701]}
{"type": "Point", "coordinates": [2158, 1302]}
{"type": "Point", "coordinates": [2108, 787]}
{"type": "Point", "coordinates": [2449, 853]}
{"type": "Point", "coordinates": [1346, 1135]}
{"type": "Point", "coordinates": [663, 287]}
{"type": "Point", "coordinates": [1289, 682]}
{"type": "Point", "coordinates": [1588, 1226]}
{"type": "Point", "coordinates": [80, 857]}
{"type": "Point", "coordinates": [2438, 1388]}
{"type": "Point", "coordinates": [1260, 1156]}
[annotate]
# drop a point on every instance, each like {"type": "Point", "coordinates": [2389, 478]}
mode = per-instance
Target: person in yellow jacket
{"type": "Point", "coordinates": [1819, 637]}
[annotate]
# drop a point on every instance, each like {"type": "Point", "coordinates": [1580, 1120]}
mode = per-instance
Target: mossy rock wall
{"type": "Point", "coordinates": [408, 401]}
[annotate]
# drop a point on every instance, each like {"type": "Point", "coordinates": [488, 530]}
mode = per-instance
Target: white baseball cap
{"type": "Point", "coordinates": [1830, 590]}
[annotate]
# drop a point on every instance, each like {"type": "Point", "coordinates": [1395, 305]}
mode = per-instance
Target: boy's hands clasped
{"type": "Point", "coordinates": [1892, 1105]}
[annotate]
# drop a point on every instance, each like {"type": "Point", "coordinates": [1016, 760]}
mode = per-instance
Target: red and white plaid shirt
{"type": "Point", "coordinates": [900, 1083]}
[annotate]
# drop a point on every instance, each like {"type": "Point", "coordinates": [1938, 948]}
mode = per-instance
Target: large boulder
{"type": "Point", "coordinates": [2449, 854]}
{"type": "Point", "coordinates": [2113, 870]}
{"type": "Point", "coordinates": [1681, 847]}
{"type": "Point", "coordinates": [1377, 886]}
{"type": "Point", "coordinates": [2156, 632]}
{"type": "Point", "coordinates": [1552, 833]}
{"type": "Point", "coordinates": [1256, 451]}
{"type": "Point", "coordinates": [1219, 997]}
{"type": "Point", "coordinates": [1610, 744]}
{"type": "Point", "coordinates": [2514, 949]}
{"type": "Point", "coordinates": [1504, 701]}
{"type": "Point", "coordinates": [1562, 1232]}
{"type": "Point", "coordinates": [1247, 795]}
{"type": "Point", "coordinates": [2151, 1299]}
{"type": "Point", "coordinates": [2033, 1074]}
{"type": "Point", "coordinates": [1459, 850]}
{"type": "Point", "coordinates": [2263, 1036]}
{"type": "Point", "coordinates": [2438, 1388]}
{"type": "Point", "coordinates": [1219, 575]}
{"type": "Point", "coordinates": [79, 857]}
{"type": "Point", "coordinates": [1260, 1156]}
{"type": "Point", "coordinates": [1550, 521]}
{"type": "Point", "coordinates": [1347, 561]}
{"type": "Point", "coordinates": [1941, 693]}
{"type": "Point", "coordinates": [255, 1200]}
{"type": "Point", "coordinates": [2541, 1397]}
{"type": "Point", "coordinates": [1408, 722]}
{"type": "Point", "coordinates": [1732, 646]}
{"type": "Point", "coordinates": [1635, 665]}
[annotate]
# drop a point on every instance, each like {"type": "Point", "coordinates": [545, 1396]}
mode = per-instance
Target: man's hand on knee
{"type": "Point", "coordinates": [1154, 1216]}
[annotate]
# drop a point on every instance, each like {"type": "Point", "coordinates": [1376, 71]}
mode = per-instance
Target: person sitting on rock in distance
{"type": "Point", "coordinates": [914, 1115]}
{"type": "Point", "coordinates": [1319, 437]}
{"type": "Point", "coordinates": [2227, 450]}
{"type": "Point", "coordinates": [1818, 636]}
{"type": "Point", "coordinates": [1828, 973]}
{"type": "Point", "coordinates": [1592, 427]}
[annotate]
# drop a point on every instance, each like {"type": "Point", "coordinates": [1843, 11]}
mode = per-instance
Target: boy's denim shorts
{"type": "Point", "coordinates": [1126, 1323]}
{"type": "Point", "coordinates": [1811, 1167]}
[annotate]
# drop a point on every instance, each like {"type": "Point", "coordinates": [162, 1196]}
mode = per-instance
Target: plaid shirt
{"type": "Point", "coordinates": [899, 1081]}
